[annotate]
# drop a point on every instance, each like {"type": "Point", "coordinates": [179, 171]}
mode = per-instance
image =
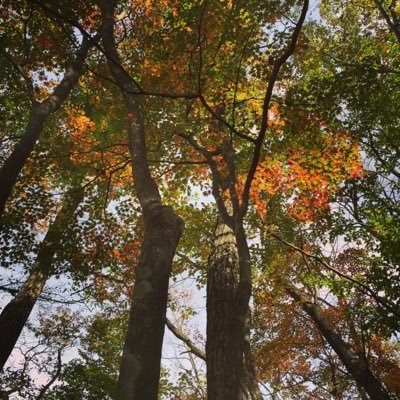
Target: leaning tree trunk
{"type": "Point", "coordinates": [222, 285]}
{"type": "Point", "coordinates": [354, 362]}
{"type": "Point", "coordinates": [16, 313]}
{"type": "Point", "coordinates": [141, 358]}
{"type": "Point", "coordinates": [38, 115]}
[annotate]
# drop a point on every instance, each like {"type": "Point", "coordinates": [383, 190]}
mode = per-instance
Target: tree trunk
{"type": "Point", "coordinates": [38, 115]}
{"type": "Point", "coordinates": [16, 313]}
{"type": "Point", "coordinates": [353, 361]}
{"type": "Point", "coordinates": [222, 285]}
{"type": "Point", "coordinates": [141, 358]}
{"type": "Point", "coordinates": [237, 329]}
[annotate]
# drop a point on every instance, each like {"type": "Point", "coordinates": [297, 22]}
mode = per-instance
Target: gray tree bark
{"type": "Point", "coordinates": [252, 387]}
{"type": "Point", "coordinates": [140, 365]}
{"type": "Point", "coordinates": [222, 284]}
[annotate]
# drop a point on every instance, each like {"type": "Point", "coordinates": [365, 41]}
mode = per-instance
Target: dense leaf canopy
{"type": "Point", "coordinates": [280, 119]}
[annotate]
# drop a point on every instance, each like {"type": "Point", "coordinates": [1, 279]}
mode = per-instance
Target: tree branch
{"type": "Point", "coordinates": [361, 286]}
{"type": "Point", "coordinates": [46, 387]}
{"type": "Point", "coordinates": [267, 100]}
{"type": "Point", "coordinates": [185, 339]}
{"type": "Point", "coordinates": [19, 69]}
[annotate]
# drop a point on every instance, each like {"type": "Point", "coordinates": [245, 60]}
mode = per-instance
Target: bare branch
{"type": "Point", "coordinates": [185, 339]}
{"type": "Point", "coordinates": [57, 373]}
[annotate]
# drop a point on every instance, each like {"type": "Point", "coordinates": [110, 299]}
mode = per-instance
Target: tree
{"type": "Point", "coordinates": [222, 281]}
{"type": "Point", "coordinates": [355, 363]}
{"type": "Point", "coordinates": [140, 365]}
{"type": "Point", "coordinates": [279, 122]}
{"type": "Point", "coordinates": [16, 313]}
{"type": "Point", "coordinates": [41, 105]}
{"type": "Point", "coordinates": [367, 208]}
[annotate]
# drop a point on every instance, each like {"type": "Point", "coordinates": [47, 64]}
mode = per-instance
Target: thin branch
{"type": "Point", "coordinates": [267, 100]}
{"type": "Point", "coordinates": [224, 121]}
{"type": "Point", "coordinates": [361, 286]}
{"type": "Point", "coordinates": [42, 297]}
{"type": "Point", "coordinates": [185, 339]}
{"type": "Point", "coordinates": [140, 91]}
{"type": "Point", "coordinates": [238, 77]}
{"type": "Point", "coordinates": [20, 71]}
{"type": "Point", "coordinates": [178, 162]}
{"type": "Point", "coordinates": [188, 260]}
{"type": "Point", "coordinates": [216, 181]}
{"type": "Point", "coordinates": [199, 82]}
{"type": "Point", "coordinates": [53, 378]}
{"type": "Point", "coordinates": [392, 23]}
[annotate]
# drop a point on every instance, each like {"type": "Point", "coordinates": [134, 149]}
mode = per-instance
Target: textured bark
{"type": "Point", "coordinates": [38, 115]}
{"type": "Point", "coordinates": [222, 286]}
{"type": "Point", "coordinates": [16, 313]}
{"type": "Point", "coordinates": [231, 249]}
{"type": "Point", "coordinates": [354, 362]}
{"type": "Point", "coordinates": [141, 358]}
{"type": "Point", "coordinates": [238, 324]}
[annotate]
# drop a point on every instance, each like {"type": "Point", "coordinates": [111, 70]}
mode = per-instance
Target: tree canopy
{"type": "Point", "coordinates": [200, 199]}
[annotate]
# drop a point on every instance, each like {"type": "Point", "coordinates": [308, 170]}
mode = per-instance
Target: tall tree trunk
{"type": "Point", "coordinates": [354, 362]}
{"type": "Point", "coordinates": [222, 285]}
{"type": "Point", "coordinates": [141, 358]}
{"type": "Point", "coordinates": [38, 115]}
{"type": "Point", "coordinates": [16, 313]}
{"type": "Point", "coordinates": [236, 287]}
{"type": "Point", "coordinates": [237, 325]}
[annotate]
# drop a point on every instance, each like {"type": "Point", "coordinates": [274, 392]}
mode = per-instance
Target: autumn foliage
{"type": "Point", "coordinates": [163, 120]}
